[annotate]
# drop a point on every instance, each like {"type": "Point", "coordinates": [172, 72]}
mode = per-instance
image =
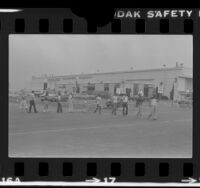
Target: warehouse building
{"type": "Point", "coordinates": [178, 78]}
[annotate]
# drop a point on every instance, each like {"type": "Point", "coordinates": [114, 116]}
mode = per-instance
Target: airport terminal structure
{"type": "Point", "coordinates": [178, 78]}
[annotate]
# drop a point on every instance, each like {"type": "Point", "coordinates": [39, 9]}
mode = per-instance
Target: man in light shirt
{"type": "Point", "coordinates": [99, 104]}
{"type": "Point", "coordinates": [71, 105]}
{"type": "Point", "coordinates": [23, 104]}
{"type": "Point", "coordinates": [153, 107]}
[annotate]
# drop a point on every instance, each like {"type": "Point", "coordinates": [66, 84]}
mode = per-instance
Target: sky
{"type": "Point", "coordinates": [36, 55]}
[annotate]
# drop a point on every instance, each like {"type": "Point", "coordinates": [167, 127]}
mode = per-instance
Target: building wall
{"type": "Point", "coordinates": [189, 84]}
{"type": "Point", "coordinates": [37, 83]}
{"type": "Point", "coordinates": [111, 88]}
{"type": "Point", "coordinates": [134, 80]}
{"type": "Point", "coordinates": [99, 87]}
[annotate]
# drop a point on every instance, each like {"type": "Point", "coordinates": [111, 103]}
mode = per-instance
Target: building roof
{"type": "Point", "coordinates": [117, 72]}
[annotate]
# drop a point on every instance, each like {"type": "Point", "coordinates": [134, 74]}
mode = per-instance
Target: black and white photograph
{"type": "Point", "coordinates": [100, 96]}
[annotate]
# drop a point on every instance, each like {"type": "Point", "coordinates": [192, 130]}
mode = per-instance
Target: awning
{"type": "Point", "coordinates": [186, 76]}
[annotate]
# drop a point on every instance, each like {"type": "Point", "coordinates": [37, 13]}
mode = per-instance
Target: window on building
{"type": "Point", "coordinates": [128, 92]}
{"type": "Point", "coordinates": [91, 87]}
{"type": "Point", "coordinates": [77, 89]}
{"type": "Point", "coordinates": [45, 86]}
{"type": "Point", "coordinates": [115, 87]}
{"type": "Point", "coordinates": [146, 90]}
{"type": "Point", "coordinates": [106, 87]}
{"type": "Point", "coordinates": [136, 89]}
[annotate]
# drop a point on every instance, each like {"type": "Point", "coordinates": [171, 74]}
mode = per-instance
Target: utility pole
{"type": "Point", "coordinates": [164, 79]}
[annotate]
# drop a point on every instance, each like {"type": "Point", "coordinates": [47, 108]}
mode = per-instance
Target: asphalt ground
{"type": "Point", "coordinates": [85, 134]}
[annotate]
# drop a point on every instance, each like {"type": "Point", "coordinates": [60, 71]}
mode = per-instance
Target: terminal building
{"type": "Point", "coordinates": [178, 78]}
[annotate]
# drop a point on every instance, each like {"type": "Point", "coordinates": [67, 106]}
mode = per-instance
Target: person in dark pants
{"type": "Point", "coordinates": [32, 102]}
{"type": "Point", "coordinates": [172, 95]}
{"type": "Point", "coordinates": [125, 105]}
{"type": "Point", "coordinates": [59, 108]}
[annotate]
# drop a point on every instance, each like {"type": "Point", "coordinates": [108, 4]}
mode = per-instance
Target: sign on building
{"type": "Point", "coordinates": [118, 91]}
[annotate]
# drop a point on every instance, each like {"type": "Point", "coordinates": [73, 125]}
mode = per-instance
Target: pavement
{"type": "Point", "coordinates": [89, 135]}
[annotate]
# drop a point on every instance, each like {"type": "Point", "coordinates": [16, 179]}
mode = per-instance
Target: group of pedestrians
{"type": "Point", "coordinates": [24, 105]}
{"type": "Point", "coordinates": [32, 103]}
{"type": "Point", "coordinates": [139, 101]}
{"type": "Point", "coordinates": [70, 102]}
{"type": "Point", "coordinates": [115, 104]}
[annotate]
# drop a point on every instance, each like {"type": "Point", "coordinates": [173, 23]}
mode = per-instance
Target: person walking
{"type": "Point", "coordinates": [98, 104]}
{"type": "Point", "coordinates": [86, 105]}
{"type": "Point", "coordinates": [153, 107]}
{"type": "Point", "coordinates": [32, 102]}
{"type": "Point", "coordinates": [139, 105]}
{"type": "Point", "coordinates": [45, 102]}
{"type": "Point", "coordinates": [71, 105]}
{"type": "Point", "coordinates": [125, 105]}
{"type": "Point", "coordinates": [172, 95]}
{"type": "Point", "coordinates": [59, 107]}
{"type": "Point", "coordinates": [45, 105]}
{"type": "Point", "coordinates": [23, 104]}
{"type": "Point", "coordinates": [114, 102]}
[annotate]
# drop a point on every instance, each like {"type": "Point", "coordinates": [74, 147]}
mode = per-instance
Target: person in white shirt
{"type": "Point", "coordinates": [45, 102]}
{"type": "Point", "coordinates": [99, 104]}
{"type": "Point", "coordinates": [125, 105]}
{"type": "Point", "coordinates": [23, 104]}
{"type": "Point", "coordinates": [71, 105]}
{"type": "Point", "coordinates": [115, 100]}
{"type": "Point", "coordinates": [86, 105]}
{"type": "Point", "coordinates": [153, 107]}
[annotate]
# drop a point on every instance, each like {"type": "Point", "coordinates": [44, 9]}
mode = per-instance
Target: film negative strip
{"type": "Point", "coordinates": [99, 101]}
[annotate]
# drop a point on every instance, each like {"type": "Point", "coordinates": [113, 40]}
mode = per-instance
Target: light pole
{"type": "Point", "coordinates": [164, 66]}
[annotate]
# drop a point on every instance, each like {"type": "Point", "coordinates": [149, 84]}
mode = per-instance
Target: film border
{"type": "Point", "coordinates": [61, 21]}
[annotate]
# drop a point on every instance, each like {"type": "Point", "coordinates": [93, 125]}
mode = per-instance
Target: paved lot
{"type": "Point", "coordinates": [84, 134]}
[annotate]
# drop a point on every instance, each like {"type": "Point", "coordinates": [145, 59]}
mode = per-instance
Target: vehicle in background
{"type": "Point", "coordinates": [186, 100]}
{"type": "Point", "coordinates": [52, 96]}
{"type": "Point", "coordinates": [64, 98]}
{"type": "Point", "coordinates": [49, 96]}
{"type": "Point", "coordinates": [80, 96]}
{"type": "Point", "coordinates": [109, 102]}
{"type": "Point", "coordinates": [38, 93]}
{"type": "Point", "coordinates": [14, 97]}
{"type": "Point", "coordinates": [102, 94]}
{"type": "Point", "coordinates": [84, 96]}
